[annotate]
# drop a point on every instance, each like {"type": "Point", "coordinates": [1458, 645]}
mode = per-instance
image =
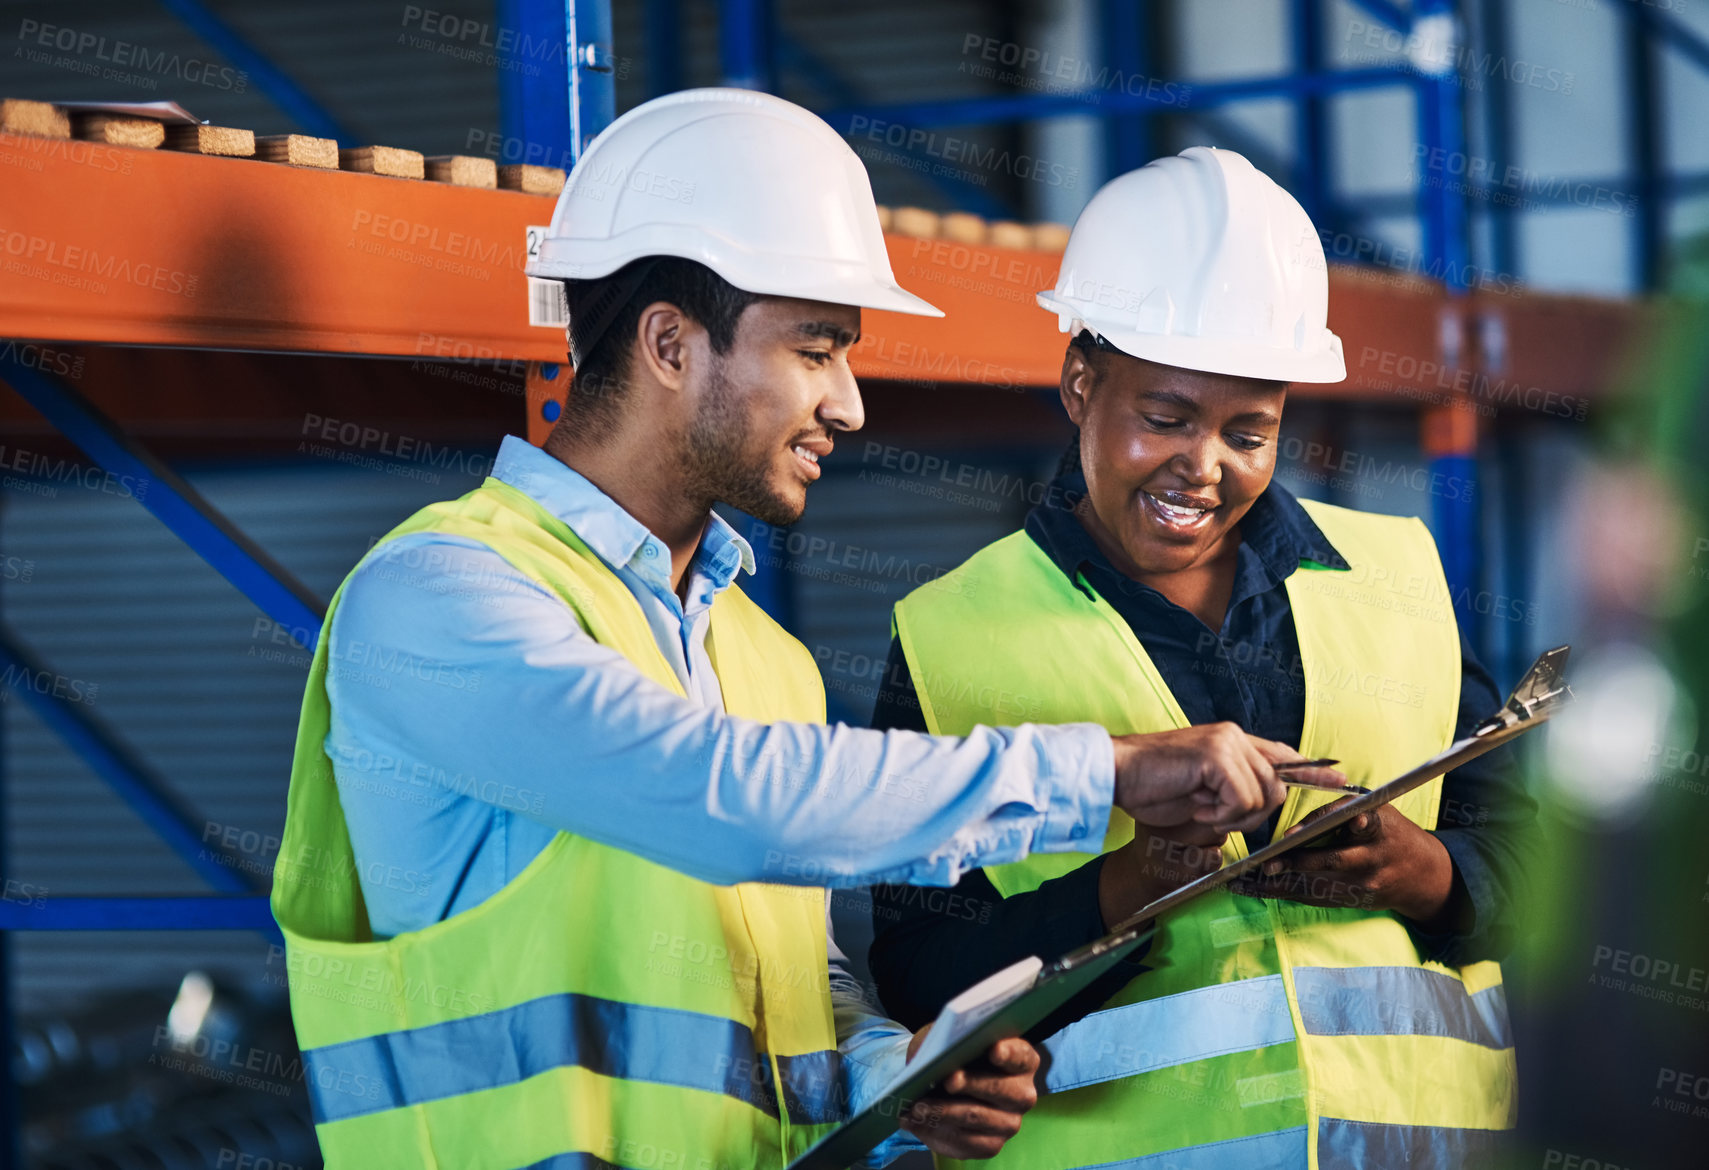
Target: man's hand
{"type": "Point", "coordinates": [1377, 861]}
{"type": "Point", "coordinates": [979, 1107]}
{"type": "Point", "coordinates": [1214, 774]}
{"type": "Point", "coordinates": [1155, 862]}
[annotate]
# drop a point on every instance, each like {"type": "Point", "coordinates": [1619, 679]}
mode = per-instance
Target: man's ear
{"type": "Point", "coordinates": [1076, 383]}
{"type": "Point", "coordinates": [663, 350]}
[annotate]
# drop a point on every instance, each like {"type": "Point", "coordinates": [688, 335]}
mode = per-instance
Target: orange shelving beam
{"type": "Point", "coordinates": [117, 245]}
{"type": "Point", "coordinates": [148, 247]}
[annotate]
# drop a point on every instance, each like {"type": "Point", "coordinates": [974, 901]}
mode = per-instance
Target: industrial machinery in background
{"type": "Point", "coordinates": [207, 1079]}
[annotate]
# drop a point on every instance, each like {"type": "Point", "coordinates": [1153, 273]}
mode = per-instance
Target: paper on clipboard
{"type": "Point", "coordinates": [973, 1007]}
{"type": "Point", "coordinates": [1014, 1000]}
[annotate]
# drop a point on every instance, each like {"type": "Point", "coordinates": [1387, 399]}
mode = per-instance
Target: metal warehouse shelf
{"type": "Point", "coordinates": [120, 245]}
{"type": "Point", "coordinates": [154, 247]}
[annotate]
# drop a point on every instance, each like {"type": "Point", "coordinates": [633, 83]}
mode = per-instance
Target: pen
{"type": "Point", "coordinates": [1322, 762]}
{"type": "Point", "coordinates": [1353, 789]}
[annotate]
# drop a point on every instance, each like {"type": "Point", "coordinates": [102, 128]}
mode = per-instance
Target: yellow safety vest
{"type": "Point", "coordinates": [599, 1008]}
{"type": "Point", "coordinates": [1269, 1033]}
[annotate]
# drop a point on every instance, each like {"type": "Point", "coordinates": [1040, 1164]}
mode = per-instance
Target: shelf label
{"type": "Point", "coordinates": [547, 305]}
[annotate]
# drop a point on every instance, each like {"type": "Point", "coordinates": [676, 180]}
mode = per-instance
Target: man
{"type": "Point", "coordinates": [549, 753]}
{"type": "Point", "coordinates": [1344, 1009]}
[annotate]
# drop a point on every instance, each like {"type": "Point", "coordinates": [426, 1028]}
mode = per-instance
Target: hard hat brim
{"type": "Point", "coordinates": [860, 291]}
{"type": "Point", "coordinates": [1218, 355]}
{"type": "Point", "coordinates": [863, 294]}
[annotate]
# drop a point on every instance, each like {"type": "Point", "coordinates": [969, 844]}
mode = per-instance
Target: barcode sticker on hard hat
{"type": "Point", "coordinates": [547, 305]}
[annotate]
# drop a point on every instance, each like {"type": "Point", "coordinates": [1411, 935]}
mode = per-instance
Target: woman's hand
{"type": "Point", "coordinates": [1155, 862]}
{"type": "Point", "coordinates": [1377, 861]}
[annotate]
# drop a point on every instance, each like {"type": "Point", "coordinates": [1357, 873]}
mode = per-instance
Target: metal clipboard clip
{"type": "Point", "coordinates": [1542, 689]}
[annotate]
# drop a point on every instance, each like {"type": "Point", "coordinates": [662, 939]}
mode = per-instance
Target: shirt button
{"type": "Point", "coordinates": [648, 551]}
{"type": "Point", "coordinates": [1077, 832]}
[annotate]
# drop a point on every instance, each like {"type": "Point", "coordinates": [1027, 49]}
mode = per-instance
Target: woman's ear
{"type": "Point", "coordinates": [1077, 379]}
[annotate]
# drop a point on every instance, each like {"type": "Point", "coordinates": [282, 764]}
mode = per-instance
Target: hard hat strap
{"type": "Point", "coordinates": [592, 315]}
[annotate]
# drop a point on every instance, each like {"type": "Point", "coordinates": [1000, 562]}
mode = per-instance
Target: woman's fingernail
{"type": "Point", "coordinates": [1272, 868]}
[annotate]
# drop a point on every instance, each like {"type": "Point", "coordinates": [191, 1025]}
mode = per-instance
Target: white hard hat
{"type": "Point", "coordinates": [1201, 261]}
{"type": "Point", "coordinates": [756, 188]}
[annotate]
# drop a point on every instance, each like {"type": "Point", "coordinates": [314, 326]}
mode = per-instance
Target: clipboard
{"type": "Point", "coordinates": [1537, 696]}
{"type": "Point", "coordinates": [1055, 984]}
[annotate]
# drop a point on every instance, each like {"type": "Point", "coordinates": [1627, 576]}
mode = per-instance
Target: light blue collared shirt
{"type": "Point", "coordinates": [473, 719]}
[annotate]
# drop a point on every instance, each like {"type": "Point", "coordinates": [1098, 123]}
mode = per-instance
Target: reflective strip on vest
{"type": "Point", "coordinates": [625, 1041]}
{"type": "Point", "coordinates": [1282, 1149]}
{"type": "Point", "coordinates": [813, 1088]}
{"type": "Point", "coordinates": [1400, 1001]}
{"type": "Point", "coordinates": [1360, 1145]}
{"type": "Point", "coordinates": [1175, 1029]}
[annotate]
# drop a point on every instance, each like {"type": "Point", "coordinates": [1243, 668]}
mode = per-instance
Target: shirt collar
{"type": "Point", "coordinates": [618, 539]}
{"type": "Point", "coordinates": [1277, 530]}
{"type": "Point", "coordinates": [1284, 535]}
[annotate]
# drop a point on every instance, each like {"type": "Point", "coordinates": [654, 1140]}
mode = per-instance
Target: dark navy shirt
{"type": "Point", "coordinates": [1248, 673]}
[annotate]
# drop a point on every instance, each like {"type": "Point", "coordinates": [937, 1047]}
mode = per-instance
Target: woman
{"type": "Point", "coordinates": [1342, 1009]}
